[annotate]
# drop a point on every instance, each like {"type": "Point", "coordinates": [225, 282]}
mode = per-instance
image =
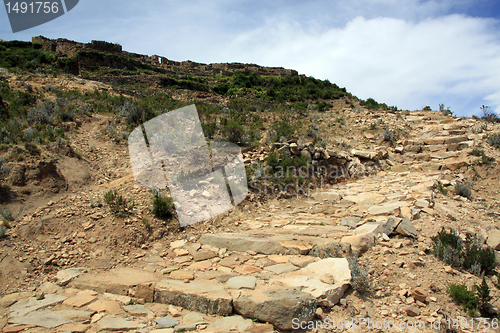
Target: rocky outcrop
{"type": "Point", "coordinates": [100, 53]}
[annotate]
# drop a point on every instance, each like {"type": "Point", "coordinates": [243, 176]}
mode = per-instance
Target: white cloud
{"type": "Point", "coordinates": [401, 63]}
{"type": "Point", "coordinates": [407, 53]}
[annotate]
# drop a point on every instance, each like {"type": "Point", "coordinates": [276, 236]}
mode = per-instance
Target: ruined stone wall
{"type": "Point", "coordinates": [71, 48]}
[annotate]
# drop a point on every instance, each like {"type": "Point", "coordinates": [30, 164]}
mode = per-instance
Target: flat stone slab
{"type": "Point", "coordinates": [493, 239]}
{"type": "Point", "coordinates": [243, 242]}
{"type": "Point", "coordinates": [310, 279]}
{"type": "Point", "coordinates": [28, 305]}
{"type": "Point", "coordinates": [281, 268]}
{"type": "Point", "coordinates": [227, 323]}
{"type": "Point", "coordinates": [196, 296]}
{"type": "Point", "coordinates": [277, 306]}
{"type": "Point", "coordinates": [387, 209]}
{"type": "Point", "coordinates": [241, 282]}
{"type": "Point", "coordinates": [115, 323]}
{"type": "Point", "coordinates": [51, 319]}
{"type": "Point", "coordinates": [116, 281]}
{"type": "Point", "coordinates": [166, 322]}
{"type": "Point", "coordinates": [67, 275]}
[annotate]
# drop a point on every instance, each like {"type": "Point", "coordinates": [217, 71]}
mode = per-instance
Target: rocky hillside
{"type": "Point", "coordinates": [358, 212]}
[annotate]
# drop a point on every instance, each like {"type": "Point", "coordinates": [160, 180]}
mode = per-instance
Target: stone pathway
{"type": "Point", "coordinates": [276, 267]}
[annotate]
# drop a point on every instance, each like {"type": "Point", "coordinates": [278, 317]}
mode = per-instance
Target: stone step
{"type": "Point", "coordinates": [196, 296]}
{"type": "Point", "coordinates": [116, 281]}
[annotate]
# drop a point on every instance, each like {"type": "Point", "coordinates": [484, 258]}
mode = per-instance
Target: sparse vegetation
{"type": "Point", "coordinates": [163, 207]}
{"type": "Point", "coordinates": [463, 296]}
{"type": "Point", "coordinates": [118, 205]}
{"type": "Point", "coordinates": [494, 141]}
{"type": "Point", "coordinates": [388, 135]}
{"type": "Point", "coordinates": [466, 254]}
{"type": "Point", "coordinates": [442, 189]}
{"type": "Point", "coordinates": [464, 189]}
{"type": "Point", "coordinates": [360, 280]}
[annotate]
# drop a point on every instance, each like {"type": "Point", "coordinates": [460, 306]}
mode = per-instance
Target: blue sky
{"type": "Point", "coordinates": [407, 53]}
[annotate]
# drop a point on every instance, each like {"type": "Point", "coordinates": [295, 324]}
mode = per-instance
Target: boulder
{"type": "Point", "coordinates": [326, 279]}
{"type": "Point", "coordinates": [277, 306]}
{"type": "Point", "coordinates": [493, 239]}
{"type": "Point", "coordinates": [360, 243]}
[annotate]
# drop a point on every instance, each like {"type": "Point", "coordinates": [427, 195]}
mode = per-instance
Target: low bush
{"type": "Point", "coordinates": [442, 189]}
{"type": "Point", "coordinates": [472, 300]}
{"type": "Point", "coordinates": [360, 280]}
{"type": "Point", "coordinates": [465, 254]}
{"type": "Point", "coordinates": [463, 296]}
{"type": "Point", "coordinates": [464, 189]}
{"type": "Point", "coordinates": [118, 205]}
{"type": "Point", "coordinates": [162, 207]}
{"type": "Point", "coordinates": [494, 141]}
{"type": "Point", "coordinates": [388, 135]}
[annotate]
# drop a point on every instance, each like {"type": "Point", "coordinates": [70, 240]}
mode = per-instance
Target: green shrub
{"type": "Point", "coordinates": [477, 152]}
{"type": "Point", "coordinates": [233, 131]}
{"type": "Point", "coordinates": [162, 207]}
{"type": "Point", "coordinates": [43, 114]}
{"type": "Point", "coordinates": [487, 160]}
{"type": "Point", "coordinates": [118, 205]}
{"type": "Point", "coordinates": [282, 129]}
{"type": "Point", "coordinates": [388, 135]}
{"type": "Point", "coordinates": [146, 224]}
{"type": "Point", "coordinates": [465, 254]}
{"type": "Point", "coordinates": [462, 296]}
{"type": "Point", "coordinates": [442, 189]}
{"type": "Point", "coordinates": [494, 141]}
{"type": "Point", "coordinates": [463, 189]}
{"type": "Point", "coordinates": [484, 297]}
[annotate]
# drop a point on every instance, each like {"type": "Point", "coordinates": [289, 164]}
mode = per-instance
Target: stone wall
{"type": "Point", "coordinates": [71, 48]}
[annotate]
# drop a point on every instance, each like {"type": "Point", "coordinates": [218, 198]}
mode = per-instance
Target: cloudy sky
{"type": "Point", "coordinates": [408, 53]}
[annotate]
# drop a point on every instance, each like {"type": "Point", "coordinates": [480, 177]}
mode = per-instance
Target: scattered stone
{"type": "Point", "coordinates": [193, 318]}
{"type": "Point", "coordinates": [308, 280]}
{"type": "Point", "coordinates": [139, 310]}
{"type": "Point", "coordinates": [181, 275]}
{"type": "Point", "coordinates": [406, 228]}
{"type": "Point", "coordinates": [388, 227]}
{"type": "Point", "coordinates": [67, 275]}
{"type": "Point", "coordinates": [203, 255]}
{"type": "Point", "coordinates": [419, 294]}
{"type": "Point", "coordinates": [111, 307]}
{"type": "Point", "coordinates": [119, 298]}
{"type": "Point", "coordinates": [231, 323]}
{"type": "Point", "coordinates": [28, 305]}
{"type": "Point", "coordinates": [301, 261]}
{"type": "Point", "coordinates": [166, 322]}
{"type": "Point", "coordinates": [412, 311]}
{"type": "Point", "coordinates": [281, 268]}
{"type": "Point", "coordinates": [241, 282]}
{"type": "Point", "coordinates": [76, 328]}
{"type": "Point", "coordinates": [360, 243]}
{"type": "Point", "coordinates": [114, 323]}
{"type": "Point", "coordinates": [81, 299]}
{"type": "Point", "coordinates": [246, 269]}
{"type": "Point", "coordinates": [493, 239]}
